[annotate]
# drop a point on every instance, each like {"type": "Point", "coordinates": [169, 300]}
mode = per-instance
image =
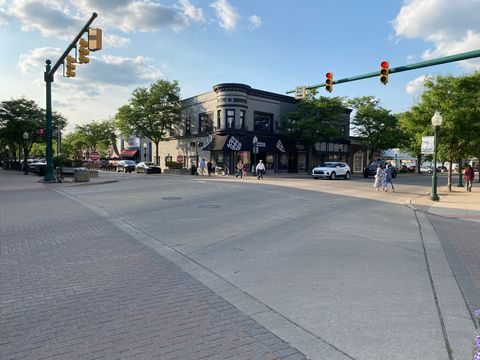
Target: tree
{"type": "Point", "coordinates": [457, 99]}
{"type": "Point", "coordinates": [21, 116]}
{"type": "Point", "coordinates": [96, 134]}
{"type": "Point", "coordinates": [151, 112]}
{"type": "Point", "coordinates": [315, 120]}
{"type": "Point", "coordinates": [375, 125]}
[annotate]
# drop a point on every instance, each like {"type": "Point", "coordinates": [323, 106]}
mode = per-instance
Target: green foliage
{"type": "Point", "coordinates": [62, 161]}
{"type": "Point", "coordinates": [375, 125]}
{"type": "Point", "coordinates": [151, 112]}
{"type": "Point", "coordinates": [174, 165]}
{"type": "Point", "coordinates": [77, 163]}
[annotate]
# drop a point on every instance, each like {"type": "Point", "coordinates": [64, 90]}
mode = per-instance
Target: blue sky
{"type": "Point", "coordinates": [269, 45]}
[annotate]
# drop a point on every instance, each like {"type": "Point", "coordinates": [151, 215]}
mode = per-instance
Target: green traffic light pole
{"type": "Point", "coordinates": [48, 77]}
{"type": "Point", "coordinates": [442, 60]}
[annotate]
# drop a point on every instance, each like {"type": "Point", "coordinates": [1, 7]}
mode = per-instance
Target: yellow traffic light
{"type": "Point", "coordinates": [95, 39]}
{"type": "Point", "coordinates": [329, 82]}
{"type": "Point", "coordinates": [384, 72]}
{"type": "Point", "coordinates": [83, 52]}
{"type": "Point", "coordinates": [70, 66]}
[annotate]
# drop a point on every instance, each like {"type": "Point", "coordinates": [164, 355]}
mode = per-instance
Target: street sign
{"type": "Point", "coordinates": [94, 156]}
{"type": "Point", "coordinates": [179, 159]}
{"type": "Point", "coordinates": [428, 144]}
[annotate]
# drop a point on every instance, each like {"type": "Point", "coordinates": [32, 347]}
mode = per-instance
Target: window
{"type": "Point", "coordinates": [230, 119]}
{"type": "Point", "coordinates": [242, 119]}
{"type": "Point", "coordinates": [219, 118]}
{"type": "Point", "coordinates": [205, 123]}
{"type": "Point", "coordinates": [263, 122]}
{"type": "Point", "coordinates": [187, 126]}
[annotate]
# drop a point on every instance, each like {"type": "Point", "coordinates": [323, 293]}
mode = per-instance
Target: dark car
{"type": "Point", "coordinates": [126, 166]}
{"type": "Point", "coordinates": [147, 168]}
{"type": "Point", "coordinates": [371, 169]}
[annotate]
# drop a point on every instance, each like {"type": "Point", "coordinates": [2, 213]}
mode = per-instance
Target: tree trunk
{"type": "Point", "coordinates": [309, 159]}
{"type": "Point", "coordinates": [157, 159]}
{"type": "Point", "coordinates": [419, 161]}
{"type": "Point", "coordinates": [450, 175]}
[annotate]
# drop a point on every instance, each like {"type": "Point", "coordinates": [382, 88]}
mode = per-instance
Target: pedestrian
{"type": "Point", "coordinates": [209, 167]}
{"type": "Point", "coordinates": [260, 169]}
{"type": "Point", "coordinates": [379, 178]}
{"type": "Point", "coordinates": [389, 177]}
{"type": "Point", "coordinates": [245, 171]}
{"type": "Point", "coordinates": [239, 169]}
{"type": "Point", "coordinates": [203, 165]}
{"type": "Point", "coordinates": [469, 175]}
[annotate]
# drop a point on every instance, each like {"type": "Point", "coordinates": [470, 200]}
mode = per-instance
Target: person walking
{"type": "Point", "coordinates": [239, 169]}
{"type": "Point", "coordinates": [209, 167]}
{"type": "Point", "coordinates": [260, 169]}
{"type": "Point", "coordinates": [244, 171]}
{"type": "Point", "coordinates": [202, 166]}
{"type": "Point", "coordinates": [379, 178]}
{"type": "Point", "coordinates": [389, 177]}
{"type": "Point", "coordinates": [469, 175]}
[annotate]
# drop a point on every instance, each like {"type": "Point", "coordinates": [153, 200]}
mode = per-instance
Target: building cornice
{"type": "Point", "coordinates": [255, 92]}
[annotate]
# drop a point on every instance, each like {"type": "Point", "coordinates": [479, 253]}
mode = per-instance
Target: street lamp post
{"type": "Point", "coordinates": [25, 165]}
{"type": "Point", "coordinates": [255, 151]}
{"type": "Point", "coordinates": [145, 152]}
{"type": "Point", "coordinates": [6, 155]}
{"type": "Point", "coordinates": [436, 122]}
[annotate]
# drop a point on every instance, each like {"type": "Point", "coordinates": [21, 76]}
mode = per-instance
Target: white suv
{"type": "Point", "coordinates": [332, 170]}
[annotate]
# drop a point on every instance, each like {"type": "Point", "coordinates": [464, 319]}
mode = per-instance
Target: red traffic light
{"type": "Point", "coordinates": [384, 64]}
{"type": "Point", "coordinates": [328, 75]}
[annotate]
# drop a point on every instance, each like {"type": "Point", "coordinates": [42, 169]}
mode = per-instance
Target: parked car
{"type": "Point", "coordinates": [147, 168]}
{"type": "Point", "coordinates": [371, 169]}
{"type": "Point", "coordinates": [126, 166]}
{"type": "Point", "coordinates": [37, 167]}
{"type": "Point", "coordinates": [332, 170]}
{"type": "Point", "coordinates": [426, 169]}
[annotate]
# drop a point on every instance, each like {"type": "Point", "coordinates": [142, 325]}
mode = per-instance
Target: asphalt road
{"type": "Point", "coordinates": [332, 267]}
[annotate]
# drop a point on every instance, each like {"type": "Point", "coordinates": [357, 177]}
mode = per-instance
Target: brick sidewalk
{"type": "Point", "coordinates": [73, 286]}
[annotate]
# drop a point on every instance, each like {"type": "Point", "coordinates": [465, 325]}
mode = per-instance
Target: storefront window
{"type": "Point", "coordinates": [283, 165]}
{"type": "Point", "coordinates": [219, 118]}
{"type": "Point", "coordinates": [269, 162]}
{"type": "Point", "coordinates": [205, 123]}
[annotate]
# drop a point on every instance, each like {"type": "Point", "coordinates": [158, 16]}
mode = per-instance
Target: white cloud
{"type": "Point", "coordinates": [115, 41]}
{"type": "Point", "coordinates": [452, 26]}
{"type": "Point", "coordinates": [255, 21]}
{"type": "Point", "coordinates": [415, 87]}
{"type": "Point", "coordinates": [192, 12]}
{"type": "Point", "coordinates": [51, 19]}
{"type": "Point", "coordinates": [36, 58]}
{"type": "Point", "coordinates": [226, 14]}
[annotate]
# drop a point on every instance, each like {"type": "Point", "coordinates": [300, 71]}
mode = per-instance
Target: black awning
{"type": "Point", "coordinates": [238, 142]}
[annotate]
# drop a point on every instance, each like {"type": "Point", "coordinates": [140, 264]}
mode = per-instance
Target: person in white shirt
{"type": "Point", "coordinates": [260, 169]}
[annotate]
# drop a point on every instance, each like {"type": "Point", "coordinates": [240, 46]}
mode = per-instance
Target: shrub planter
{"type": "Point", "coordinates": [93, 173]}
{"type": "Point", "coordinates": [177, 171]}
{"type": "Point", "coordinates": [67, 171]}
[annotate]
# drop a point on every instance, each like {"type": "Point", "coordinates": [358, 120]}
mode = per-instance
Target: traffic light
{"type": "Point", "coordinates": [83, 51]}
{"type": "Point", "coordinates": [95, 39]}
{"type": "Point", "coordinates": [70, 66]}
{"type": "Point", "coordinates": [384, 72]}
{"type": "Point", "coordinates": [329, 82]}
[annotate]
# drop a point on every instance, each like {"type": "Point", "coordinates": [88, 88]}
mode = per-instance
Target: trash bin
{"type": "Point", "coordinates": [193, 170]}
{"type": "Point", "coordinates": [81, 174]}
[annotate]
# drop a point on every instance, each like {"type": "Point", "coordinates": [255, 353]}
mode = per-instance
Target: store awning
{"type": "Point", "coordinates": [265, 143]}
{"type": "Point", "coordinates": [129, 153]}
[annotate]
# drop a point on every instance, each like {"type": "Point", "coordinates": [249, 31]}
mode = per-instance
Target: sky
{"type": "Point", "coordinates": [272, 45]}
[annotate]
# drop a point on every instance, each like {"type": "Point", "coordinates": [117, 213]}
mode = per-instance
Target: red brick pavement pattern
{"type": "Point", "coordinates": [73, 286]}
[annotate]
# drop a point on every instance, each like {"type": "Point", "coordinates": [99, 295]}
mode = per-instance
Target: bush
{"type": "Point", "coordinates": [78, 163]}
{"type": "Point", "coordinates": [62, 161]}
{"type": "Point", "coordinates": [174, 165]}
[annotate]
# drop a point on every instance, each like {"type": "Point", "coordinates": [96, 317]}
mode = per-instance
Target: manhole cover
{"type": "Point", "coordinates": [209, 206]}
{"type": "Point", "coordinates": [171, 198]}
